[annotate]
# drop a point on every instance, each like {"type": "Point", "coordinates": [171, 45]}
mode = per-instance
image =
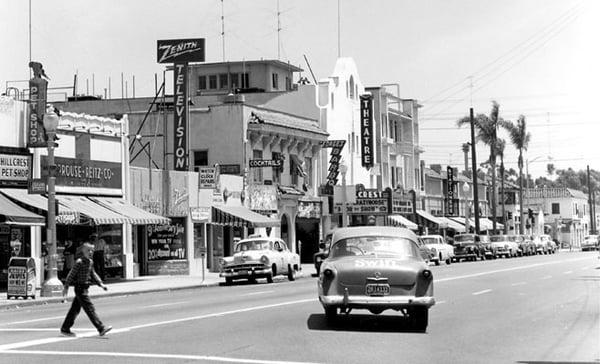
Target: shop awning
{"type": "Point", "coordinates": [96, 213]}
{"type": "Point", "coordinates": [399, 220]}
{"type": "Point", "coordinates": [136, 215]}
{"type": "Point", "coordinates": [13, 214]}
{"type": "Point", "coordinates": [489, 224]}
{"type": "Point", "coordinates": [459, 228]}
{"type": "Point", "coordinates": [36, 201]}
{"type": "Point", "coordinates": [429, 220]}
{"type": "Point", "coordinates": [240, 216]}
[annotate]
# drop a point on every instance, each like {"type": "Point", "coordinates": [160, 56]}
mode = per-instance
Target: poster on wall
{"type": "Point", "coordinates": [167, 242]}
{"type": "Point", "coordinates": [263, 198]}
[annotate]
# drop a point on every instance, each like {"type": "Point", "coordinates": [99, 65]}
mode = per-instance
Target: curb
{"type": "Point", "coordinates": [17, 303]}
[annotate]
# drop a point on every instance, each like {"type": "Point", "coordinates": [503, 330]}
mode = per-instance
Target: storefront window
{"type": "Point", "coordinates": [167, 242]}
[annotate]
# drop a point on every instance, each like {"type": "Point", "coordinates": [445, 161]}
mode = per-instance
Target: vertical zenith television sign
{"type": "Point", "coordinates": [366, 130]}
{"type": "Point", "coordinates": [180, 52]}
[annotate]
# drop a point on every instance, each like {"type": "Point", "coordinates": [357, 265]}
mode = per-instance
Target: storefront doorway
{"type": "Point", "coordinates": [307, 232]}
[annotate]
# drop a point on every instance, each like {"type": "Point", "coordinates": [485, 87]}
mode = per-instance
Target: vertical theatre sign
{"type": "Point", "coordinates": [180, 52]}
{"type": "Point", "coordinates": [366, 130]}
{"type": "Point", "coordinates": [450, 210]}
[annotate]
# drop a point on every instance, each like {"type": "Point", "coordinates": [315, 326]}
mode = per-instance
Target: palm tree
{"type": "Point", "coordinates": [500, 145]}
{"type": "Point", "coordinates": [520, 138]}
{"type": "Point", "coordinates": [487, 128]}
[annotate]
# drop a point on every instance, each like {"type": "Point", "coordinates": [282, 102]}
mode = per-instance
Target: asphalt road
{"type": "Point", "coordinates": [542, 309]}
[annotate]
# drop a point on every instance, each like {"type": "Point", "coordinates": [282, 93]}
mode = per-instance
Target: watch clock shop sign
{"type": "Point", "coordinates": [72, 172]}
{"type": "Point", "coordinates": [14, 169]}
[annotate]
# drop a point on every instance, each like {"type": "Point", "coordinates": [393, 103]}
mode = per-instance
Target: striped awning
{"type": "Point", "coordinates": [399, 220]}
{"type": "Point", "coordinates": [96, 213]}
{"type": "Point", "coordinates": [240, 216]}
{"type": "Point", "coordinates": [430, 221]}
{"type": "Point", "coordinates": [35, 201]}
{"type": "Point", "coordinates": [13, 214]}
{"type": "Point", "coordinates": [459, 228]}
{"type": "Point", "coordinates": [136, 215]}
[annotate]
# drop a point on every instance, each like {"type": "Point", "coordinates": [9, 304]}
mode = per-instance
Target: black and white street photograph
{"type": "Point", "coordinates": [300, 181]}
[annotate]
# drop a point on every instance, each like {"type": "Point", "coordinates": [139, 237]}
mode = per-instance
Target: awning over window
{"type": "Point", "coordinates": [96, 213]}
{"type": "Point", "coordinates": [136, 215]}
{"type": "Point", "coordinates": [399, 220]}
{"type": "Point", "coordinates": [432, 222]}
{"type": "Point", "coordinates": [240, 216]}
{"type": "Point", "coordinates": [487, 224]}
{"type": "Point", "coordinates": [36, 201]}
{"type": "Point", "coordinates": [459, 228]}
{"type": "Point", "coordinates": [13, 214]}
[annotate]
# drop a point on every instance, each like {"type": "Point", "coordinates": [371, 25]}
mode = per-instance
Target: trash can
{"type": "Point", "coordinates": [21, 278]}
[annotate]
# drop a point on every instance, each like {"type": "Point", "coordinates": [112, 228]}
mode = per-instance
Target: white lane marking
{"type": "Point", "coordinates": [42, 330]}
{"type": "Point", "coordinates": [439, 302]}
{"type": "Point", "coordinates": [584, 268]}
{"type": "Point", "coordinates": [24, 344]}
{"type": "Point", "coordinates": [547, 277]}
{"type": "Point", "coordinates": [481, 292]}
{"type": "Point", "coordinates": [518, 284]}
{"type": "Point", "coordinates": [35, 320]}
{"type": "Point", "coordinates": [166, 304]}
{"type": "Point", "coordinates": [152, 356]}
{"type": "Point", "coordinates": [255, 293]}
{"type": "Point", "coordinates": [568, 272]}
{"type": "Point", "coordinates": [506, 270]}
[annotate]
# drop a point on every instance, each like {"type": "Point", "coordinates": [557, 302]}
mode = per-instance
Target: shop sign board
{"type": "Point", "coordinates": [167, 242]}
{"type": "Point", "coordinates": [334, 164]}
{"type": "Point", "coordinates": [71, 172]}
{"type": "Point", "coordinates": [366, 130]}
{"type": "Point", "coordinates": [180, 116]}
{"type": "Point", "coordinates": [180, 50]}
{"type": "Point", "coordinates": [230, 169]}
{"type": "Point", "coordinates": [14, 169]}
{"type": "Point", "coordinates": [450, 211]}
{"type": "Point", "coordinates": [309, 209]}
{"type": "Point", "coordinates": [207, 177]}
{"type": "Point", "coordinates": [368, 202]}
{"type": "Point", "coordinates": [36, 186]}
{"type": "Point", "coordinates": [200, 214]}
{"type": "Point", "coordinates": [262, 163]}
{"type": "Point", "coordinates": [36, 135]}
{"type": "Point", "coordinates": [263, 198]}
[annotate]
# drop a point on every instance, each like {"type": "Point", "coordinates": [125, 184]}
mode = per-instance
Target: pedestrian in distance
{"type": "Point", "coordinates": [80, 277]}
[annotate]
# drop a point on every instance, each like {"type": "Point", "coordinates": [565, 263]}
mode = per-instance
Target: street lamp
{"type": "Point", "coordinates": [527, 189]}
{"type": "Point", "coordinates": [466, 189]}
{"type": "Point", "coordinates": [52, 287]}
{"type": "Point", "coordinates": [343, 170]}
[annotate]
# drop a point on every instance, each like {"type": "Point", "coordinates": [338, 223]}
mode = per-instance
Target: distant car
{"type": "Point", "coordinates": [550, 244]}
{"type": "Point", "coordinates": [376, 268]}
{"type": "Point", "coordinates": [504, 246]}
{"type": "Point", "coordinates": [590, 242]}
{"type": "Point", "coordinates": [439, 250]}
{"type": "Point", "coordinates": [426, 252]}
{"type": "Point", "coordinates": [526, 244]}
{"type": "Point", "coordinates": [468, 247]}
{"type": "Point", "coordinates": [321, 255]}
{"type": "Point", "coordinates": [260, 257]}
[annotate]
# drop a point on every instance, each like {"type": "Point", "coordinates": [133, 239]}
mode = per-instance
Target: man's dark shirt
{"type": "Point", "coordinates": [83, 273]}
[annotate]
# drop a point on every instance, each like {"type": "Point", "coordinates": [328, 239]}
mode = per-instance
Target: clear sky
{"type": "Point", "coordinates": [539, 58]}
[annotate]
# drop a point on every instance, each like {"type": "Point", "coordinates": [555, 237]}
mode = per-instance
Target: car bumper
{"type": "Point", "coordinates": [248, 273]}
{"type": "Point", "coordinates": [379, 301]}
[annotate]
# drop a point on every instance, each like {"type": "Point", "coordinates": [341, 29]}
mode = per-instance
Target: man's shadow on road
{"type": "Point", "coordinates": [362, 323]}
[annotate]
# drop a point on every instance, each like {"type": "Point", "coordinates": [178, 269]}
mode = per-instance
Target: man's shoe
{"type": "Point", "coordinates": [67, 333]}
{"type": "Point", "coordinates": [105, 330]}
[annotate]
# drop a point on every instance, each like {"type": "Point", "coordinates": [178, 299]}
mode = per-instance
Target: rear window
{"type": "Point", "coordinates": [429, 240]}
{"type": "Point", "coordinates": [461, 238]}
{"type": "Point", "coordinates": [391, 246]}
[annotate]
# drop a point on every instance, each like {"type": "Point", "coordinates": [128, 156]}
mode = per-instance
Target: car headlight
{"type": "Point", "coordinates": [329, 273]}
{"type": "Point", "coordinates": [264, 259]}
{"type": "Point", "coordinates": [426, 274]}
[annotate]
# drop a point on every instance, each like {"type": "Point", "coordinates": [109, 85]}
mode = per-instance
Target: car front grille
{"type": "Point", "coordinates": [244, 267]}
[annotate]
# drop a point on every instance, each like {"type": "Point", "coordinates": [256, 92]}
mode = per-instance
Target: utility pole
{"type": "Point", "coordinates": [591, 202]}
{"type": "Point", "coordinates": [474, 166]}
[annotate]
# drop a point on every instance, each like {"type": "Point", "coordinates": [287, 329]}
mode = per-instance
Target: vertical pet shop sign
{"type": "Point", "coordinates": [180, 52]}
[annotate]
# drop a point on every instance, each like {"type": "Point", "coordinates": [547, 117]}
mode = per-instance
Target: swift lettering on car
{"type": "Point", "coordinates": [361, 263]}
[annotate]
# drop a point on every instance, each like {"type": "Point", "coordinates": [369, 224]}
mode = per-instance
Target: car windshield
{"type": "Point", "coordinates": [497, 238]}
{"type": "Point", "coordinates": [253, 245]}
{"type": "Point", "coordinates": [429, 240]}
{"type": "Point", "coordinates": [462, 238]}
{"type": "Point", "coordinates": [375, 245]}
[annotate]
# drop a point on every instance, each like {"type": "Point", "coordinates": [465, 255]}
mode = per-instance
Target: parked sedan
{"type": "Point", "coordinates": [440, 251]}
{"type": "Point", "coordinates": [526, 244]}
{"type": "Point", "coordinates": [504, 246]}
{"type": "Point", "coordinates": [590, 242]}
{"type": "Point", "coordinates": [376, 268]}
{"type": "Point", "coordinates": [260, 257]}
{"type": "Point", "coordinates": [468, 247]}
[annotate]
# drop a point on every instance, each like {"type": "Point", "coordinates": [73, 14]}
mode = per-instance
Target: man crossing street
{"type": "Point", "coordinates": [80, 277]}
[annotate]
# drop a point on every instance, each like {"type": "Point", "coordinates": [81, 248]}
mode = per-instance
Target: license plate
{"type": "Point", "coordinates": [378, 289]}
{"type": "Point", "coordinates": [243, 272]}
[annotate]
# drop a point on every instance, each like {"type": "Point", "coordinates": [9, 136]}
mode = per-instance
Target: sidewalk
{"type": "Point", "coordinates": [138, 285]}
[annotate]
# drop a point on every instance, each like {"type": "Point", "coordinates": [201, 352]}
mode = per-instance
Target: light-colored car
{"type": "Point", "coordinates": [590, 242]}
{"type": "Point", "coordinates": [544, 244]}
{"type": "Point", "coordinates": [504, 245]}
{"type": "Point", "coordinates": [260, 257]}
{"type": "Point", "coordinates": [439, 249]}
{"type": "Point", "coordinates": [376, 268]}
